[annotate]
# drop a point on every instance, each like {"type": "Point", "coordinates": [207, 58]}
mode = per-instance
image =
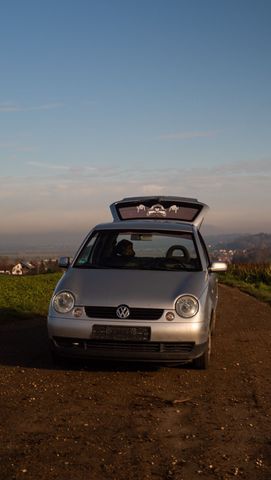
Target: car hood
{"type": "Point", "coordinates": [135, 288]}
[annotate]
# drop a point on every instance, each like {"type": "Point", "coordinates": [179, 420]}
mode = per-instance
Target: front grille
{"type": "Point", "coordinates": [183, 347]}
{"type": "Point", "coordinates": [135, 313]}
{"type": "Point", "coordinates": [114, 346]}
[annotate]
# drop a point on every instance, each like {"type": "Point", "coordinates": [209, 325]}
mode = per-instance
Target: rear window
{"type": "Point", "coordinates": [141, 250]}
{"type": "Point", "coordinates": [178, 211]}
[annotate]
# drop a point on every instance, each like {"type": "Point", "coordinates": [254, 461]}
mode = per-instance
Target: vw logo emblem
{"type": "Point", "coordinates": [123, 311]}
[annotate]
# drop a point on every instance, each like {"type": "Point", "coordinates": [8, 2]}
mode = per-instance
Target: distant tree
{"type": "Point", "coordinates": [6, 263]}
{"type": "Point", "coordinates": [42, 268]}
{"type": "Point", "coordinates": [52, 266]}
{"type": "Point", "coordinates": [254, 255]}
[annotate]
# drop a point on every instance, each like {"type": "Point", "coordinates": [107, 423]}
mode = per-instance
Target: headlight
{"type": "Point", "coordinates": [63, 302]}
{"type": "Point", "coordinates": [187, 306]}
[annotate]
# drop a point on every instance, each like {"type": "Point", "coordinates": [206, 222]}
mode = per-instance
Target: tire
{"type": "Point", "coordinates": [202, 362]}
{"type": "Point", "coordinates": [57, 360]}
{"type": "Point", "coordinates": [54, 357]}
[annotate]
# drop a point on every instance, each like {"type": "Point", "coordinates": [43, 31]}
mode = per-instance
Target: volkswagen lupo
{"type": "Point", "coordinates": [141, 288]}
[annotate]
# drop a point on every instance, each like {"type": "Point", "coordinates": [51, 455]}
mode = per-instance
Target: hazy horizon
{"type": "Point", "coordinates": [74, 238]}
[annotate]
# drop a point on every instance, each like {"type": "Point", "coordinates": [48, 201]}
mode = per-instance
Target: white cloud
{"type": "Point", "coordinates": [18, 142]}
{"type": "Point", "coordinates": [249, 167]}
{"type": "Point", "coordinates": [11, 108]}
{"type": "Point", "coordinates": [188, 135]}
{"type": "Point", "coordinates": [69, 168]}
{"type": "Point", "coordinates": [16, 147]}
{"type": "Point", "coordinates": [47, 166]}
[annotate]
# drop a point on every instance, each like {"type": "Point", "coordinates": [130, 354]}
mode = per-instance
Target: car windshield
{"type": "Point", "coordinates": [139, 250]}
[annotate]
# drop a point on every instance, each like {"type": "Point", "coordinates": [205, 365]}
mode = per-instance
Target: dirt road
{"type": "Point", "coordinates": [139, 422]}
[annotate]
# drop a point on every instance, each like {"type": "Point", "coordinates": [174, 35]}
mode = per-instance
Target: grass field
{"type": "Point", "coordinates": [254, 279]}
{"type": "Point", "coordinates": [26, 296]}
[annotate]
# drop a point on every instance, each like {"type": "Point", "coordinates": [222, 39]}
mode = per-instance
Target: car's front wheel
{"type": "Point", "coordinates": [57, 360]}
{"type": "Point", "coordinates": [202, 362]}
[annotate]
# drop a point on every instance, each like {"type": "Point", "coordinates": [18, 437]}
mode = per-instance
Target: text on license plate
{"type": "Point", "coordinates": [114, 332]}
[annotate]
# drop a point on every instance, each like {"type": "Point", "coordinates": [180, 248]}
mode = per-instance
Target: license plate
{"type": "Point", "coordinates": [114, 332]}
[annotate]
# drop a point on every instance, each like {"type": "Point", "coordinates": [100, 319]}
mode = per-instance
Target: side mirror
{"type": "Point", "coordinates": [64, 262]}
{"type": "Point", "coordinates": [218, 267]}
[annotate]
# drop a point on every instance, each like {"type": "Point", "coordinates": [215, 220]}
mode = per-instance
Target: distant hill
{"type": "Point", "coordinates": [48, 245]}
{"type": "Point", "coordinates": [247, 248]}
{"type": "Point", "coordinates": [247, 242]}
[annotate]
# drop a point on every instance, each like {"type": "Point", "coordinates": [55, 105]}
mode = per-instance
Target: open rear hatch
{"type": "Point", "coordinates": [177, 209]}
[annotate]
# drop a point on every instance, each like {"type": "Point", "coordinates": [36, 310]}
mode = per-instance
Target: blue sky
{"type": "Point", "coordinates": [105, 99]}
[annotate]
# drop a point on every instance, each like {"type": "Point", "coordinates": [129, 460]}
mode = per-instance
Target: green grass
{"type": "Point", "coordinates": [254, 279]}
{"type": "Point", "coordinates": [26, 296]}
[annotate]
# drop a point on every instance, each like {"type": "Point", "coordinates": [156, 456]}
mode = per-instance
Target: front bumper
{"type": "Point", "coordinates": [127, 351]}
{"type": "Point", "coordinates": [169, 342]}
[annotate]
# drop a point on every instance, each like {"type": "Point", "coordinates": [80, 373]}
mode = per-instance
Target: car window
{"type": "Point", "coordinates": [85, 254]}
{"type": "Point", "coordinates": [140, 250]}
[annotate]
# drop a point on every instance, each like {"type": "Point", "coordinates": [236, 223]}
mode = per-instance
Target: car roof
{"type": "Point", "coordinates": [151, 225]}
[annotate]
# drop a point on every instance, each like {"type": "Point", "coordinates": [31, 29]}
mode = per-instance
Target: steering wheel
{"type": "Point", "coordinates": [185, 257]}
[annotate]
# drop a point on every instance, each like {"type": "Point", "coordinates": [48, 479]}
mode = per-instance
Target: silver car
{"type": "Point", "coordinates": [141, 288]}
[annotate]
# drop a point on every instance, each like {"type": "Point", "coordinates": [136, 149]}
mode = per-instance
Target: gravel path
{"type": "Point", "coordinates": [139, 422]}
